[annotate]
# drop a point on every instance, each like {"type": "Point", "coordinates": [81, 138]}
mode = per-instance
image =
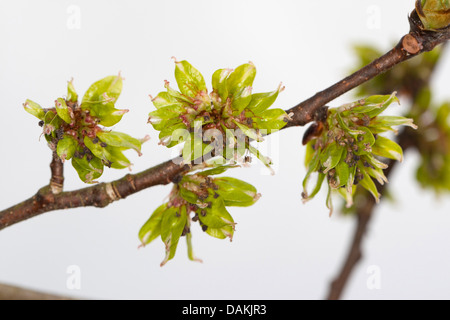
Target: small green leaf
{"type": "Point", "coordinates": [378, 103]}
{"type": "Point", "coordinates": [387, 148]}
{"type": "Point", "coordinates": [240, 78]}
{"type": "Point", "coordinates": [215, 216]}
{"type": "Point", "coordinates": [152, 228]}
{"type": "Point", "coordinates": [365, 142]}
{"type": "Point", "coordinates": [164, 99]}
{"type": "Point", "coordinates": [271, 120]}
{"type": "Point", "coordinates": [368, 184]}
{"type": "Point", "coordinates": [100, 99]}
{"type": "Point", "coordinates": [236, 192]}
{"type": "Point", "coordinates": [190, 80]}
{"type": "Point", "coordinates": [342, 174]}
{"type": "Point", "coordinates": [177, 95]}
{"type": "Point", "coordinates": [121, 140]}
{"type": "Point", "coordinates": [347, 194]}
{"type": "Point", "coordinates": [63, 111]}
{"type": "Point", "coordinates": [249, 132]}
{"type": "Point", "coordinates": [219, 83]}
{"type": "Point", "coordinates": [217, 170]}
{"type": "Point", "coordinates": [378, 174]}
{"type": "Point", "coordinates": [320, 177]}
{"type": "Point", "coordinates": [172, 226]}
{"type": "Point", "coordinates": [190, 248]}
{"type": "Point", "coordinates": [96, 148]}
{"type": "Point", "coordinates": [72, 95]}
{"type": "Point", "coordinates": [312, 166]}
{"type": "Point", "coordinates": [389, 121]}
{"type": "Point", "coordinates": [51, 122]}
{"type": "Point", "coordinates": [221, 233]}
{"type": "Point", "coordinates": [173, 135]}
{"type": "Point", "coordinates": [265, 160]}
{"type": "Point", "coordinates": [331, 156]}
{"type": "Point", "coordinates": [194, 148]}
{"type": "Point", "coordinates": [163, 125]}
{"type": "Point", "coordinates": [110, 155]}
{"type": "Point", "coordinates": [106, 89]}
{"type": "Point", "coordinates": [241, 100]}
{"type": "Point", "coordinates": [260, 102]}
{"type": "Point", "coordinates": [309, 153]}
{"type": "Point", "coordinates": [107, 113]}
{"type": "Point", "coordinates": [329, 201]}
{"type": "Point", "coordinates": [117, 159]}
{"type": "Point", "coordinates": [66, 147]}
{"type": "Point", "coordinates": [374, 162]}
{"type": "Point", "coordinates": [188, 195]}
{"type": "Point", "coordinates": [168, 112]}
{"type": "Point", "coordinates": [345, 127]}
{"type": "Point", "coordinates": [88, 171]}
{"type": "Point", "coordinates": [34, 109]}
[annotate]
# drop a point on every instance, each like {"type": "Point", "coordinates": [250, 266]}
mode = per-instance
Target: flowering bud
{"type": "Point", "coordinates": [230, 105]}
{"type": "Point", "coordinates": [205, 196]}
{"type": "Point", "coordinates": [74, 133]}
{"type": "Point", "coordinates": [345, 151]}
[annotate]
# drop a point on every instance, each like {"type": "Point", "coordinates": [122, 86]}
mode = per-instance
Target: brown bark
{"type": "Point", "coordinates": [99, 195]}
{"type": "Point", "coordinates": [8, 292]}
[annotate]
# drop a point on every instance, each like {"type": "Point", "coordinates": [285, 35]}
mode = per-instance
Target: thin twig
{"type": "Point", "coordinates": [57, 174]}
{"type": "Point", "coordinates": [414, 43]}
{"type": "Point", "coordinates": [99, 195]}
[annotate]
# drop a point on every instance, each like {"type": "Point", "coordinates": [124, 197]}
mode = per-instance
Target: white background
{"type": "Point", "coordinates": [282, 249]}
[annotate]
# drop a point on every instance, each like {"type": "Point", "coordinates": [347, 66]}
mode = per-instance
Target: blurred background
{"type": "Point", "coordinates": [282, 249]}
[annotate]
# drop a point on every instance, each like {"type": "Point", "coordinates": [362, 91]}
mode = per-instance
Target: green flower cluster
{"type": "Point", "coordinates": [184, 116]}
{"type": "Point", "coordinates": [197, 197]}
{"type": "Point", "coordinates": [76, 130]}
{"type": "Point", "coordinates": [345, 148]}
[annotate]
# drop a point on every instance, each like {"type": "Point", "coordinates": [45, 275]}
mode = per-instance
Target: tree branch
{"type": "Point", "coordinates": [312, 109]}
{"type": "Point", "coordinates": [8, 292]}
{"type": "Point", "coordinates": [99, 195]}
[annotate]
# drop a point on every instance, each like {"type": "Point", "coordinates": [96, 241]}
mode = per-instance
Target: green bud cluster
{"type": "Point", "coordinates": [229, 106]}
{"type": "Point", "coordinates": [76, 130]}
{"type": "Point", "coordinates": [198, 197]}
{"type": "Point", "coordinates": [345, 148]}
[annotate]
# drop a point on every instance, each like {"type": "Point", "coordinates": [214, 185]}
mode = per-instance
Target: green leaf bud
{"type": "Point", "coordinates": [434, 14]}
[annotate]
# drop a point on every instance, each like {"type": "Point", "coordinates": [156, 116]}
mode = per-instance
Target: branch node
{"type": "Point", "coordinates": [57, 174]}
{"type": "Point", "coordinates": [112, 192]}
{"type": "Point", "coordinates": [131, 181]}
{"type": "Point", "coordinates": [411, 45]}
